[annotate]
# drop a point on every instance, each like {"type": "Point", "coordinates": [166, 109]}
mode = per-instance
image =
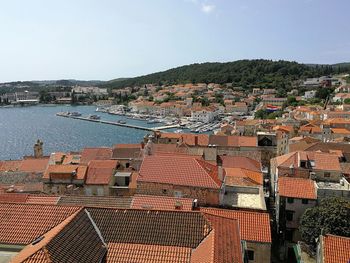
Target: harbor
{"type": "Point", "coordinates": [75, 116]}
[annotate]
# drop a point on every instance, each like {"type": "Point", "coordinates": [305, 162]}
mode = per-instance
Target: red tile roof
{"type": "Point", "coordinates": [30, 221]}
{"type": "Point", "coordinates": [34, 165]}
{"type": "Point", "coordinates": [233, 141]}
{"type": "Point", "coordinates": [59, 171]}
{"type": "Point", "coordinates": [100, 171]}
{"type": "Point", "coordinates": [297, 188]}
{"type": "Point", "coordinates": [250, 176]}
{"type": "Point", "coordinates": [42, 199]}
{"type": "Point", "coordinates": [13, 198]}
{"type": "Point", "coordinates": [161, 203]}
{"type": "Point", "coordinates": [254, 226]}
{"type": "Point", "coordinates": [227, 241]}
{"type": "Point", "coordinates": [336, 249]}
{"type": "Point", "coordinates": [323, 161]}
{"type": "Point", "coordinates": [185, 171]}
{"type": "Point", "coordinates": [88, 154]}
{"type": "Point", "coordinates": [240, 162]}
{"type": "Point", "coordinates": [147, 253]}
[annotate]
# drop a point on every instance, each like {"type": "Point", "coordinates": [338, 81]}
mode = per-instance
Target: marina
{"type": "Point", "coordinates": [119, 123]}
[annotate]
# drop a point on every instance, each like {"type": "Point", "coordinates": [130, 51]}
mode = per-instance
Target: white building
{"type": "Point", "coordinates": [310, 94]}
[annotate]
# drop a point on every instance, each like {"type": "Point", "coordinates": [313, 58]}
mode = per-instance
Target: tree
{"type": "Point", "coordinates": [347, 101]}
{"type": "Point", "coordinates": [261, 114]}
{"type": "Point", "coordinates": [330, 217]}
{"type": "Point", "coordinates": [323, 93]}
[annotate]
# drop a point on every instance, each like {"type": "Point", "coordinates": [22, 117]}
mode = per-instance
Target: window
{"type": "Point", "coordinates": [304, 201]}
{"type": "Point", "coordinates": [290, 200]}
{"type": "Point", "coordinates": [250, 254]}
{"type": "Point", "coordinates": [289, 215]}
{"type": "Point", "coordinates": [164, 191]}
{"type": "Point", "coordinates": [327, 174]}
{"type": "Point", "coordinates": [127, 165]}
{"type": "Point", "coordinates": [303, 164]}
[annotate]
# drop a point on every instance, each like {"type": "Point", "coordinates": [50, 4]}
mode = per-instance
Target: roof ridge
{"type": "Point", "coordinates": [44, 239]}
{"type": "Point", "coordinates": [200, 165]}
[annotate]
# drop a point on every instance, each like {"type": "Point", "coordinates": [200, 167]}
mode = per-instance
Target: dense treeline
{"type": "Point", "coordinates": [243, 73]}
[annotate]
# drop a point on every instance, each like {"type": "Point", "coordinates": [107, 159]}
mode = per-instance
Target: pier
{"type": "Point", "coordinates": [119, 124]}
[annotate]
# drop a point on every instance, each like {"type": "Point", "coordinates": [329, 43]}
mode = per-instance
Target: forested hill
{"type": "Point", "coordinates": [244, 73]}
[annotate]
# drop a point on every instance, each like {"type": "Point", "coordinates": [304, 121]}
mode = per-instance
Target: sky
{"type": "Point", "coordinates": [108, 39]}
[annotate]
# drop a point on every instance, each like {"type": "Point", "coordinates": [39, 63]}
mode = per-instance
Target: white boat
{"type": "Point", "coordinates": [178, 131]}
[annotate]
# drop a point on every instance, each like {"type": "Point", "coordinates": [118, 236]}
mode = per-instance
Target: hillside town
{"type": "Point", "coordinates": [241, 190]}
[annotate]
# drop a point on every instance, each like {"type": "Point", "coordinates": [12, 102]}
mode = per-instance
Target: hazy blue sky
{"type": "Point", "coordinates": [100, 39]}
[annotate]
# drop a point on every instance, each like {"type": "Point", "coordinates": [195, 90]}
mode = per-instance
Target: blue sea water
{"type": "Point", "coordinates": [20, 127]}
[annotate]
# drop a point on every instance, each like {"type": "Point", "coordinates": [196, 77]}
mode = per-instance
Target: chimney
{"type": "Point", "coordinates": [196, 140]}
{"type": "Point", "coordinates": [221, 173]}
{"type": "Point", "coordinates": [38, 149]}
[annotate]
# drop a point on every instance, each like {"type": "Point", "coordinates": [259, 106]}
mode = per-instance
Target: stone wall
{"type": "Point", "coordinates": [262, 252]}
{"type": "Point", "coordinates": [203, 195]}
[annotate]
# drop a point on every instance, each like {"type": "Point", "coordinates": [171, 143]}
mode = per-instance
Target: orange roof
{"type": "Point", "coordinates": [253, 226]}
{"type": "Point", "coordinates": [161, 203]}
{"type": "Point", "coordinates": [170, 135]}
{"type": "Point", "coordinates": [195, 139]}
{"type": "Point", "coordinates": [53, 171]}
{"type": "Point", "coordinates": [101, 153]}
{"type": "Point", "coordinates": [34, 165]}
{"type": "Point", "coordinates": [42, 199]}
{"type": "Point", "coordinates": [283, 128]}
{"type": "Point", "coordinates": [10, 166]}
{"type": "Point", "coordinates": [31, 221]}
{"type": "Point", "coordinates": [297, 188]}
{"type": "Point", "coordinates": [179, 170]}
{"type": "Point", "coordinates": [240, 162]}
{"type": "Point", "coordinates": [13, 198]}
{"type": "Point", "coordinates": [30, 250]}
{"type": "Point", "coordinates": [336, 249]}
{"type": "Point", "coordinates": [100, 171]}
{"type": "Point", "coordinates": [340, 131]}
{"type": "Point", "coordinates": [251, 176]}
{"type": "Point", "coordinates": [147, 253]}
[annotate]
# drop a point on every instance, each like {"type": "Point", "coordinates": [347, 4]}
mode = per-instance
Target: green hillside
{"type": "Point", "coordinates": [244, 73]}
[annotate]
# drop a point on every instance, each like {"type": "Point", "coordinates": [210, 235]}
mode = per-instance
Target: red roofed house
{"type": "Point", "coordinates": [333, 249]}
{"type": "Point", "coordinates": [293, 197]}
{"type": "Point", "coordinates": [180, 176]}
{"type": "Point", "coordinates": [314, 165]}
{"type": "Point", "coordinates": [64, 179]}
{"type": "Point", "coordinates": [99, 177]}
{"type": "Point", "coordinates": [100, 153]}
{"type": "Point", "coordinates": [254, 228]}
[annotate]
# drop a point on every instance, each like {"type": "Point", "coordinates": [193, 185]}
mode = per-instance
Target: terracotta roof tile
{"type": "Point", "coordinates": [179, 171]}
{"type": "Point", "coordinates": [233, 141]}
{"type": "Point", "coordinates": [240, 162]}
{"type": "Point", "coordinates": [126, 151]}
{"type": "Point", "coordinates": [127, 252]}
{"type": "Point", "coordinates": [253, 226]}
{"type": "Point", "coordinates": [204, 253]}
{"type": "Point", "coordinates": [100, 171]}
{"type": "Point", "coordinates": [31, 221]}
{"type": "Point", "coordinates": [227, 241]}
{"type": "Point", "coordinates": [42, 199]}
{"type": "Point", "coordinates": [250, 176]}
{"type": "Point", "coordinates": [96, 201]}
{"type": "Point", "coordinates": [59, 171]}
{"type": "Point", "coordinates": [296, 188]}
{"type": "Point", "coordinates": [152, 227]}
{"type": "Point", "coordinates": [88, 154]}
{"type": "Point", "coordinates": [161, 203]}
{"type": "Point", "coordinates": [34, 165]}
{"type": "Point", "coordinates": [336, 249]}
{"type": "Point", "coordinates": [74, 240]}
{"type": "Point", "coordinates": [13, 198]}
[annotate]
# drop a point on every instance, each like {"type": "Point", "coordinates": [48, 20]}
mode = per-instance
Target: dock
{"type": "Point", "coordinates": [119, 124]}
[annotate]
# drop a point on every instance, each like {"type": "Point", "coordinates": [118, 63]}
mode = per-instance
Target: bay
{"type": "Point", "coordinates": [20, 127]}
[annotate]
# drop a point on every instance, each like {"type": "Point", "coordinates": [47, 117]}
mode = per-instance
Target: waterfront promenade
{"type": "Point", "coordinates": [119, 124]}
